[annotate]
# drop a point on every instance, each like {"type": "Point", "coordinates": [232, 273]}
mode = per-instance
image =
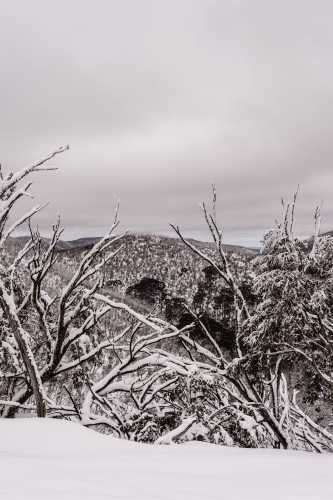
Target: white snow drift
{"type": "Point", "coordinates": [54, 459]}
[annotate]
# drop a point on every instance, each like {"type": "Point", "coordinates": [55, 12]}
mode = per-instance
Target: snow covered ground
{"type": "Point", "coordinates": [51, 459]}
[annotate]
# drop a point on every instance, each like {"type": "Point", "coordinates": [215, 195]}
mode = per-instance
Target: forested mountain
{"type": "Point", "coordinates": [157, 257]}
{"type": "Point", "coordinates": [161, 273]}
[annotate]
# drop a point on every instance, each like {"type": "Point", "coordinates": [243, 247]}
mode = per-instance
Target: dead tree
{"type": "Point", "coordinates": [10, 193]}
{"type": "Point", "coordinates": [73, 312]}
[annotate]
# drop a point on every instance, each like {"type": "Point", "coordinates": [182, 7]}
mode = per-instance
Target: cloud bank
{"type": "Point", "coordinates": [157, 98]}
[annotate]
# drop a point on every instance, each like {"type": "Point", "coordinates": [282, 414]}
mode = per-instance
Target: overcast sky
{"type": "Point", "coordinates": [157, 98]}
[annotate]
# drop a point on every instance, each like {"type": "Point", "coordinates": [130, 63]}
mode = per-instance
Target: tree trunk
{"type": "Point", "coordinates": [8, 307]}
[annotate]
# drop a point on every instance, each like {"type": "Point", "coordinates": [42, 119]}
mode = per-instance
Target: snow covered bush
{"type": "Point", "coordinates": [294, 316]}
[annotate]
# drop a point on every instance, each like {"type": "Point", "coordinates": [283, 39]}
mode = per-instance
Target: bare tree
{"type": "Point", "coordinates": [61, 321]}
{"type": "Point", "coordinates": [10, 193]}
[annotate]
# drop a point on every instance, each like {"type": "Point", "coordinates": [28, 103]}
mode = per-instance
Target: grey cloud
{"type": "Point", "coordinates": [158, 98]}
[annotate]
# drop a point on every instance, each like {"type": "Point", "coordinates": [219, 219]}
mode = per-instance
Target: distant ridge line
{"type": "Point", "coordinates": [83, 242]}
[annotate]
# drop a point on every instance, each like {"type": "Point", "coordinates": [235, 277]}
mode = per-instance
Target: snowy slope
{"type": "Point", "coordinates": [51, 459]}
